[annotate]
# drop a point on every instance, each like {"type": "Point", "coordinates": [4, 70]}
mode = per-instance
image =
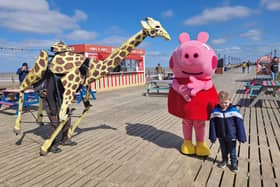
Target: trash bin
{"type": "Point", "coordinates": [220, 66]}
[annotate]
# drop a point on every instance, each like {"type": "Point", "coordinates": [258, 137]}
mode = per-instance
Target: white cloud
{"type": "Point", "coordinates": [272, 5]}
{"type": "Point", "coordinates": [81, 35]}
{"type": "Point", "coordinates": [28, 44]}
{"type": "Point", "coordinates": [253, 34]}
{"type": "Point", "coordinates": [220, 14]}
{"type": "Point", "coordinates": [218, 41]}
{"type": "Point", "coordinates": [167, 14]}
{"type": "Point", "coordinates": [25, 5]}
{"type": "Point", "coordinates": [113, 30]}
{"type": "Point", "coordinates": [38, 18]}
{"type": "Point", "coordinates": [229, 49]}
{"type": "Point", "coordinates": [114, 40]}
{"type": "Point", "coordinates": [80, 15]}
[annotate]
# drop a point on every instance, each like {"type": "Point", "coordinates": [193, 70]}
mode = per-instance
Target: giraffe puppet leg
{"type": "Point", "coordinates": [85, 112]}
{"type": "Point", "coordinates": [72, 129]}
{"type": "Point", "coordinates": [47, 144]}
{"type": "Point", "coordinates": [32, 77]}
{"type": "Point", "coordinates": [39, 118]}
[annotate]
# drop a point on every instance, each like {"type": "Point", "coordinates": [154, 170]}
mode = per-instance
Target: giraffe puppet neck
{"type": "Point", "coordinates": [101, 68]}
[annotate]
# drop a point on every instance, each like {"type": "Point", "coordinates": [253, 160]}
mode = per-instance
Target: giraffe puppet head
{"type": "Point", "coordinates": [153, 28]}
{"type": "Point", "coordinates": [60, 47]}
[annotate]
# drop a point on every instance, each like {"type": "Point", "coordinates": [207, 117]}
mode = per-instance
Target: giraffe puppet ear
{"type": "Point", "coordinates": [184, 37]}
{"type": "Point", "coordinates": [203, 37]}
{"type": "Point", "coordinates": [144, 25]}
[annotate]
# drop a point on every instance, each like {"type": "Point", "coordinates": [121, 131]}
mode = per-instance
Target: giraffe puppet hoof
{"type": "Point", "coordinates": [17, 131]}
{"type": "Point", "coordinates": [43, 153]}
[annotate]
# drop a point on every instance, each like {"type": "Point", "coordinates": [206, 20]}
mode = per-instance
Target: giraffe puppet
{"type": "Point", "coordinates": [75, 70]}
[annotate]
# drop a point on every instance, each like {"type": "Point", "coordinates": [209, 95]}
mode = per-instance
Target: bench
{"type": "Point", "coordinates": [158, 85]}
{"type": "Point", "coordinates": [6, 103]}
{"type": "Point", "coordinates": [266, 86]}
{"type": "Point", "coordinates": [30, 98]}
{"type": "Point", "coordinates": [252, 88]}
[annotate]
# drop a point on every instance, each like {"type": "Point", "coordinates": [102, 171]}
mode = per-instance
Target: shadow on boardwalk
{"type": "Point", "coordinates": [42, 131]}
{"type": "Point", "coordinates": [159, 137]}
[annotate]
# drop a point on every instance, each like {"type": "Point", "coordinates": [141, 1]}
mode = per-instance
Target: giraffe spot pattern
{"type": "Point", "coordinates": [68, 66]}
{"type": "Point", "coordinates": [74, 87]}
{"type": "Point", "coordinates": [42, 62]}
{"type": "Point", "coordinates": [59, 61]}
{"type": "Point", "coordinates": [69, 59]}
{"type": "Point", "coordinates": [64, 82]}
{"type": "Point", "coordinates": [122, 54]}
{"type": "Point", "coordinates": [58, 69]}
{"type": "Point", "coordinates": [27, 81]}
{"type": "Point", "coordinates": [110, 69]}
{"type": "Point", "coordinates": [118, 60]}
{"type": "Point", "coordinates": [114, 55]}
{"type": "Point", "coordinates": [71, 77]}
{"type": "Point", "coordinates": [91, 80]}
{"type": "Point", "coordinates": [103, 67]}
{"type": "Point", "coordinates": [98, 66]}
{"type": "Point", "coordinates": [41, 54]}
{"type": "Point", "coordinates": [68, 92]}
{"type": "Point", "coordinates": [77, 79]}
{"type": "Point", "coordinates": [78, 63]}
{"type": "Point", "coordinates": [110, 62]}
{"type": "Point", "coordinates": [137, 43]}
{"type": "Point", "coordinates": [95, 73]}
{"type": "Point", "coordinates": [138, 37]}
{"type": "Point", "coordinates": [129, 49]}
{"type": "Point", "coordinates": [36, 67]}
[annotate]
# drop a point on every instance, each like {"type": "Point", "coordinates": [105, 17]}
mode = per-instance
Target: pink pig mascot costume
{"type": "Point", "coordinates": [192, 95]}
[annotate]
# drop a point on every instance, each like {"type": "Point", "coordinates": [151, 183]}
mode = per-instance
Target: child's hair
{"type": "Point", "coordinates": [223, 95]}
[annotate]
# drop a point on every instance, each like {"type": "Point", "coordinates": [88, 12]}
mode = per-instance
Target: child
{"type": "Point", "coordinates": [226, 123]}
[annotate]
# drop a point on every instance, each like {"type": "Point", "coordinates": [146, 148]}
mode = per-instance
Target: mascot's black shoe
{"type": "Point", "coordinates": [69, 142]}
{"type": "Point", "coordinates": [55, 149]}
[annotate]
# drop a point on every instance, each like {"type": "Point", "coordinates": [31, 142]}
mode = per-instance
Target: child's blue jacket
{"type": "Point", "coordinates": [227, 125]}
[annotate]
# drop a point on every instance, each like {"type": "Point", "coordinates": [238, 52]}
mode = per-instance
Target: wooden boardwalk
{"type": "Point", "coordinates": [130, 140]}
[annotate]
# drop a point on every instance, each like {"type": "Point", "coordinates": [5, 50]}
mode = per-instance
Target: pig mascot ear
{"type": "Point", "coordinates": [203, 37]}
{"type": "Point", "coordinates": [184, 37]}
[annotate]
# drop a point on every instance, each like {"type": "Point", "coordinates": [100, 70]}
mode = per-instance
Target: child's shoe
{"type": "Point", "coordinates": [234, 167]}
{"type": "Point", "coordinates": [222, 164]}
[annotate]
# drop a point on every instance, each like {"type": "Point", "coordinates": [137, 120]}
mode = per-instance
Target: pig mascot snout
{"type": "Point", "coordinates": [193, 95]}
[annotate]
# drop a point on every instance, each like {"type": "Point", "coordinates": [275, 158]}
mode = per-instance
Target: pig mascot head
{"type": "Point", "coordinates": [193, 57]}
{"type": "Point", "coordinates": [192, 95]}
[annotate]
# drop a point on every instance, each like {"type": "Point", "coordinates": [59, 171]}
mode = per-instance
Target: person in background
{"type": "Point", "coordinates": [159, 71]}
{"type": "Point", "coordinates": [226, 124]}
{"type": "Point", "coordinates": [243, 67]}
{"type": "Point", "coordinates": [248, 66]}
{"type": "Point", "coordinates": [274, 68]}
{"type": "Point", "coordinates": [22, 72]}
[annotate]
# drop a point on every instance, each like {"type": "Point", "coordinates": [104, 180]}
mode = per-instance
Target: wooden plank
{"type": "Point", "coordinates": [254, 165]}
{"type": "Point", "coordinates": [205, 168]}
{"type": "Point", "coordinates": [241, 178]}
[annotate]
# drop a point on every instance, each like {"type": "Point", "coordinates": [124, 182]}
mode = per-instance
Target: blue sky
{"type": "Point", "coordinates": [240, 29]}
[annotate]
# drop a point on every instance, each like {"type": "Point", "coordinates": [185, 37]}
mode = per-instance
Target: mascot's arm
{"type": "Point", "coordinates": [197, 85]}
{"type": "Point", "coordinates": [183, 90]}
